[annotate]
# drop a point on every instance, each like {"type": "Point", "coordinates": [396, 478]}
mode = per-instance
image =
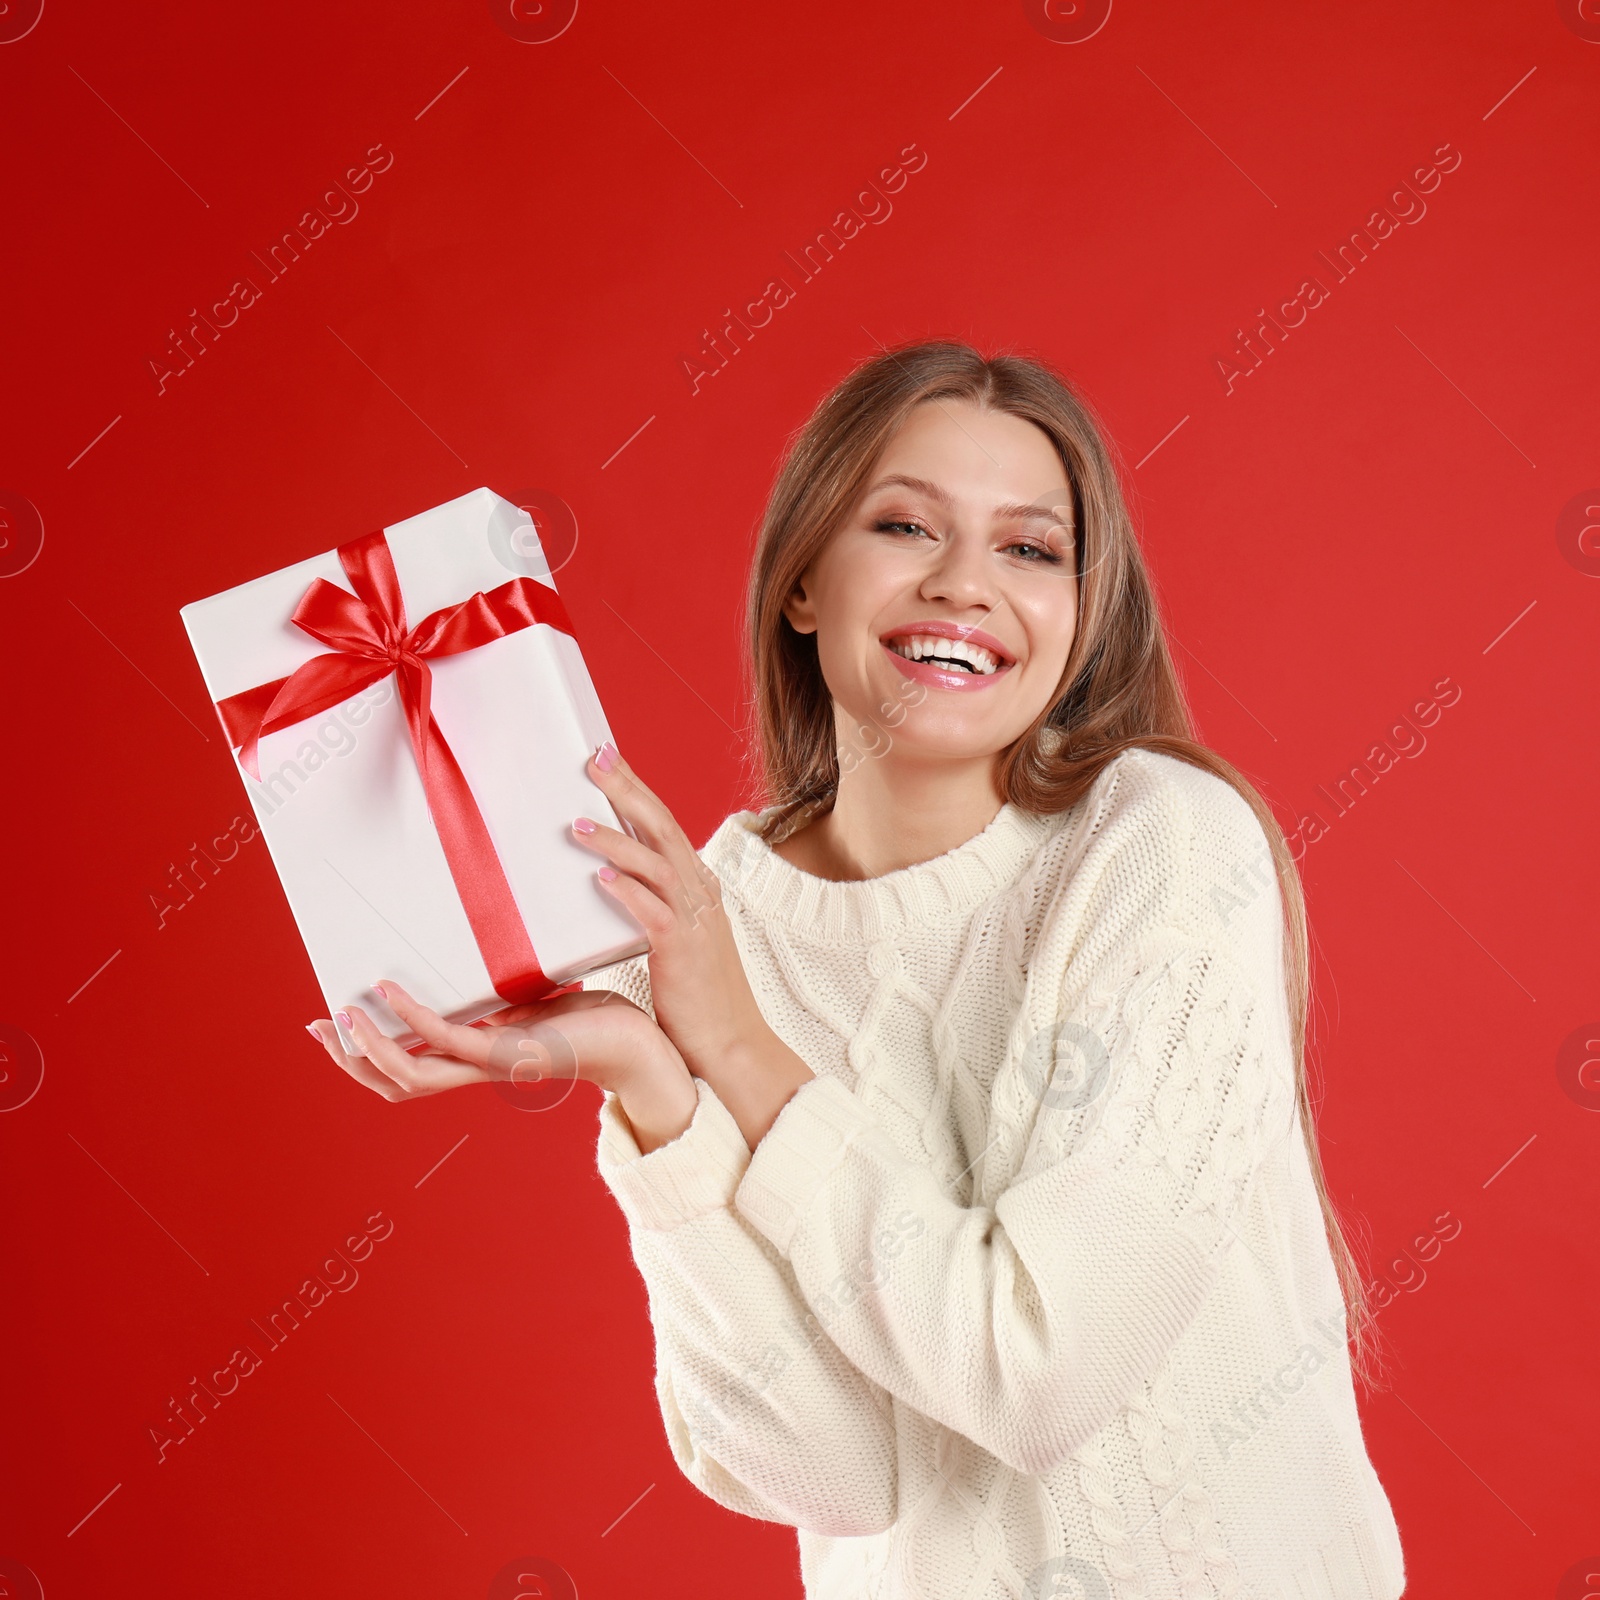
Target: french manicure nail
{"type": "Point", "coordinates": [582, 825]}
{"type": "Point", "coordinates": [606, 756]}
{"type": "Point", "coordinates": [379, 990]}
{"type": "Point", "coordinates": [607, 873]}
{"type": "Point", "coordinates": [311, 1028]}
{"type": "Point", "coordinates": [343, 1018]}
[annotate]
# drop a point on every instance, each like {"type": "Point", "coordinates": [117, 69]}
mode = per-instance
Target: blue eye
{"type": "Point", "coordinates": [1049, 557]}
{"type": "Point", "coordinates": [1038, 554]}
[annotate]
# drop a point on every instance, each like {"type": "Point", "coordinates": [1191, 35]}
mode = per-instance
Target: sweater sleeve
{"type": "Point", "coordinates": [1027, 1323]}
{"type": "Point", "coordinates": [762, 1412]}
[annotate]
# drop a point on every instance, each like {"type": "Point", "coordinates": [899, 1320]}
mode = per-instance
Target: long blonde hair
{"type": "Point", "coordinates": [1119, 688]}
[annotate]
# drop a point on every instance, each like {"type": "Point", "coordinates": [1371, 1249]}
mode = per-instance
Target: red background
{"type": "Point", "coordinates": [1372, 511]}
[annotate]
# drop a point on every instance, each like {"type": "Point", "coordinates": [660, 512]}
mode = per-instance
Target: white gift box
{"type": "Point", "coordinates": [341, 801]}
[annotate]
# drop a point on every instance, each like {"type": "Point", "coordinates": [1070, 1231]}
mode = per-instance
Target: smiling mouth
{"type": "Point", "coordinates": [953, 655]}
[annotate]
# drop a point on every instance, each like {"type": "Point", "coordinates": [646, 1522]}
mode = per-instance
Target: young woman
{"type": "Point", "coordinates": [958, 1111]}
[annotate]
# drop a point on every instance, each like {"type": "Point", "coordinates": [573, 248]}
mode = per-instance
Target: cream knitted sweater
{"type": "Point", "coordinates": [1028, 1292]}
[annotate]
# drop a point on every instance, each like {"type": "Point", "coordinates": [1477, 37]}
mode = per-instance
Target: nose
{"type": "Point", "coordinates": [962, 574]}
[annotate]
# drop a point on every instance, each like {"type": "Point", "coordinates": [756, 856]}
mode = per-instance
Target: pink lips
{"type": "Point", "coordinates": [944, 677]}
{"type": "Point", "coordinates": [954, 630]}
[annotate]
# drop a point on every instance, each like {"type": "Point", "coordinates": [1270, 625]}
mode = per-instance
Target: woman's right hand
{"type": "Point", "coordinates": [592, 1034]}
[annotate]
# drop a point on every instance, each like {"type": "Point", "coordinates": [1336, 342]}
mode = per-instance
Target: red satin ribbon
{"type": "Point", "coordinates": [369, 638]}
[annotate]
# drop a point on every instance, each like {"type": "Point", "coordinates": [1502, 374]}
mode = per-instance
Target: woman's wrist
{"type": "Point", "coordinates": [658, 1096]}
{"type": "Point", "coordinates": [755, 1078]}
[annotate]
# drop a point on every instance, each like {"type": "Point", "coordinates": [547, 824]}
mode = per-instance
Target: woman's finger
{"type": "Point", "coordinates": [449, 1038]}
{"type": "Point", "coordinates": [629, 855]}
{"type": "Point", "coordinates": [430, 1074]}
{"type": "Point", "coordinates": [415, 1074]}
{"type": "Point", "coordinates": [692, 888]}
{"type": "Point", "coordinates": [358, 1067]}
{"type": "Point", "coordinates": [639, 805]}
{"type": "Point", "coordinates": [646, 908]}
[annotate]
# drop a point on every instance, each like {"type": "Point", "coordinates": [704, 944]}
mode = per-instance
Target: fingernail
{"type": "Point", "coordinates": [583, 825]}
{"type": "Point", "coordinates": [379, 990]}
{"type": "Point", "coordinates": [606, 756]}
{"type": "Point", "coordinates": [608, 873]}
{"type": "Point", "coordinates": [343, 1019]}
{"type": "Point", "coordinates": [311, 1028]}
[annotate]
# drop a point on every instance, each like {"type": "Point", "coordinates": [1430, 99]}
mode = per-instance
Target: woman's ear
{"type": "Point", "coordinates": [798, 608]}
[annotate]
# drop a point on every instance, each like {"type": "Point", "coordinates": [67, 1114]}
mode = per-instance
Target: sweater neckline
{"type": "Point", "coordinates": [858, 911]}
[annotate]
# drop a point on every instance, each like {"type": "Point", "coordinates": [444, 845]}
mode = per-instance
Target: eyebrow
{"type": "Point", "coordinates": [1009, 513]}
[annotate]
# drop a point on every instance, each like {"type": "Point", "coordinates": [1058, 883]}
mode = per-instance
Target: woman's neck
{"type": "Point", "coordinates": [891, 813]}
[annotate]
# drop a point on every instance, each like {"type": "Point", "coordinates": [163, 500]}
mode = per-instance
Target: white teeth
{"type": "Point", "coordinates": [923, 646]}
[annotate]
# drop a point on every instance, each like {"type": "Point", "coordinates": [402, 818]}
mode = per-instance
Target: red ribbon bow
{"type": "Point", "coordinates": [369, 638]}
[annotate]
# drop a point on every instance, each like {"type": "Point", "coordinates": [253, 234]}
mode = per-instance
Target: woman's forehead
{"type": "Point", "coordinates": [979, 450]}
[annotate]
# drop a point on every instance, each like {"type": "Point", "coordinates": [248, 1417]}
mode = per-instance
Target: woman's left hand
{"type": "Point", "coordinates": [703, 1000]}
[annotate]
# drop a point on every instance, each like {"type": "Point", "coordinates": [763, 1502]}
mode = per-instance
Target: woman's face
{"type": "Point", "coordinates": [960, 552]}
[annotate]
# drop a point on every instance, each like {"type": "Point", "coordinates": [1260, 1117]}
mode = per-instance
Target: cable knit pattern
{"type": "Point", "coordinates": [991, 1309]}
